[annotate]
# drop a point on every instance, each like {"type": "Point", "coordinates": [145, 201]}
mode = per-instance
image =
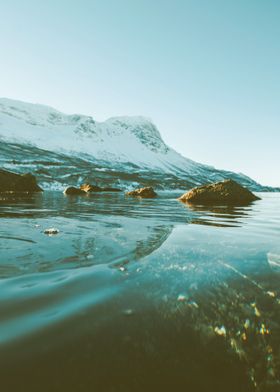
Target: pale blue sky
{"type": "Point", "coordinates": [206, 71]}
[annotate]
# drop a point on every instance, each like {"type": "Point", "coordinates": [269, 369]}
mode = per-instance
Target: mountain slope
{"type": "Point", "coordinates": [48, 142]}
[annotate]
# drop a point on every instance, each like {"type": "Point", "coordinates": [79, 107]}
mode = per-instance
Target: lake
{"type": "Point", "coordinates": [134, 295]}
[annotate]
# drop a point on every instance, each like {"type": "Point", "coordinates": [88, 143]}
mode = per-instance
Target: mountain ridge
{"type": "Point", "coordinates": [123, 144]}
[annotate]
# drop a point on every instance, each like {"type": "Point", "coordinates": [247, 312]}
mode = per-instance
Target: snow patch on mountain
{"type": "Point", "coordinates": [119, 139]}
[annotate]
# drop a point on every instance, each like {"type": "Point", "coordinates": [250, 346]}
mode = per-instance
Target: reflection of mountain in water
{"type": "Point", "coordinates": [199, 311]}
{"type": "Point", "coordinates": [97, 229]}
{"type": "Point", "coordinates": [93, 230]}
{"type": "Point", "coordinates": [155, 240]}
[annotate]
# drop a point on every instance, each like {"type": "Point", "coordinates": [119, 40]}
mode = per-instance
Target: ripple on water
{"type": "Point", "coordinates": [202, 278]}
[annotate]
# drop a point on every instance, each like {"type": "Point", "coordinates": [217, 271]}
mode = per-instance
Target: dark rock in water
{"type": "Point", "coordinates": [94, 188]}
{"type": "Point", "coordinates": [147, 192]}
{"type": "Point", "coordinates": [226, 192]}
{"type": "Point", "coordinates": [18, 183]}
{"type": "Point", "coordinates": [90, 188]}
{"type": "Point", "coordinates": [71, 190]}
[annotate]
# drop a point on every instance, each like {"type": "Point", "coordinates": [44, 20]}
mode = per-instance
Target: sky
{"type": "Point", "coordinates": [206, 72]}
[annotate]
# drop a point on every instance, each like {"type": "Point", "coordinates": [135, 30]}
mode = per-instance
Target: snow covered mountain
{"type": "Point", "coordinates": [74, 148]}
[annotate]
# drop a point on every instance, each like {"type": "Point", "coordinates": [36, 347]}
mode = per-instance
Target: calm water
{"type": "Point", "coordinates": [136, 295]}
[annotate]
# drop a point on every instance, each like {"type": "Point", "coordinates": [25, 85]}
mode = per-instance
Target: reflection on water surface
{"type": "Point", "coordinates": [139, 294]}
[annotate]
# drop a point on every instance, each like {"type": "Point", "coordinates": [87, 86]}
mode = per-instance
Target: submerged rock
{"type": "Point", "coordinates": [147, 192]}
{"type": "Point", "coordinates": [226, 192]}
{"type": "Point", "coordinates": [71, 190]}
{"type": "Point", "coordinates": [95, 188]}
{"type": "Point", "coordinates": [18, 183]}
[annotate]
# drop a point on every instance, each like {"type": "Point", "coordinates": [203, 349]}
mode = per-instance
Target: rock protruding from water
{"type": "Point", "coordinates": [18, 183]}
{"type": "Point", "coordinates": [73, 191]}
{"type": "Point", "coordinates": [147, 192]}
{"type": "Point", "coordinates": [226, 192]}
{"type": "Point", "coordinates": [95, 188]}
{"type": "Point", "coordinates": [88, 188]}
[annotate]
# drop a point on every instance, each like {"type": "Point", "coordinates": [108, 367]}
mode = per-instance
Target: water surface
{"type": "Point", "coordinates": [138, 294]}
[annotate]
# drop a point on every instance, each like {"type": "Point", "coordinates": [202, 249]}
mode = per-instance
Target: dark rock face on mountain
{"type": "Point", "coordinates": [147, 193]}
{"type": "Point", "coordinates": [18, 183]}
{"type": "Point", "coordinates": [73, 191]}
{"type": "Point", "coordinates": [226, 192]}
{"type": "Point", "coordinates": [94, 188]}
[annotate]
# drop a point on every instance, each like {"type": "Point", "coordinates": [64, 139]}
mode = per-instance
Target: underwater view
{"type": "Point", "coordinates": [109, 293]}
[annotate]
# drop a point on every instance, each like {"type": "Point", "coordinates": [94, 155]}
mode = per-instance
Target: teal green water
{"type": "Point", "coordinates": [139, 294]}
